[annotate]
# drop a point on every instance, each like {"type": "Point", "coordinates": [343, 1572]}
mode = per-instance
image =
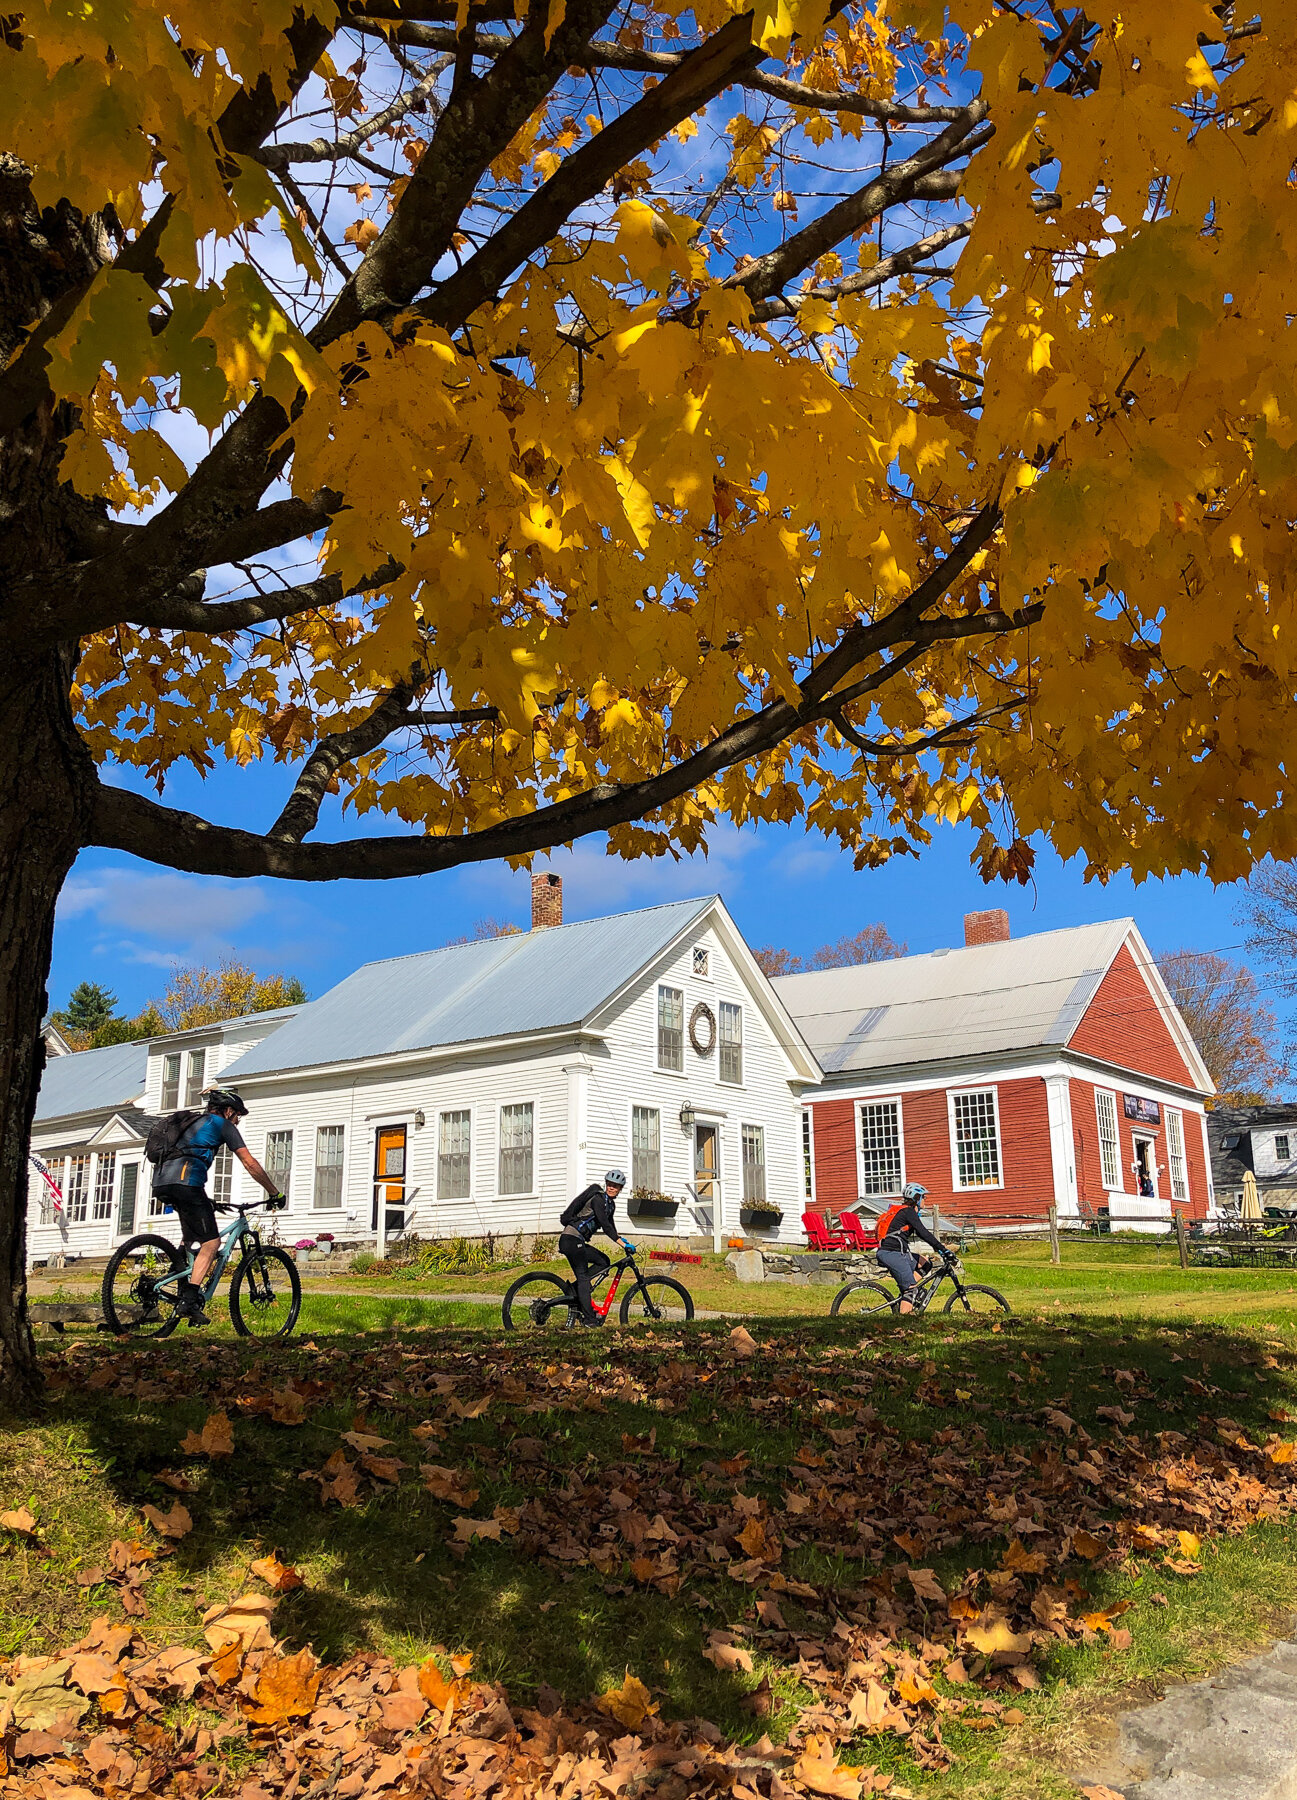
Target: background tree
{"type": "Point", "coordinates": [1268, 914]}
{"type": "Point", "coordinates": [873, 944]}
{"type": "Point", "coordinates": [199, 995]}
{"type": "Point", "coordinates": [486, 928]}
{"type": "Point", "coordinates": [89, 1007]}
{"type": "Point", "coordinates": [385, 392]}
{"type": "Point", "coordinates": [1233, 1026]}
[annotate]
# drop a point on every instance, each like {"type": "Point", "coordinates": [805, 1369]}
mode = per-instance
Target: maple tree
{"type": "Point", "coordinates": [620, 417]}
{"type": "Point", "coordinates": [1233, 1026]}
{"type": "Point", "coordinates": [196, 994]}
{"type": "Point", "coordinates": [873, 943]}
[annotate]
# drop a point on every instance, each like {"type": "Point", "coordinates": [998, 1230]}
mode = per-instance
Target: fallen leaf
{"type": "Point", "coordinates": [215, 1439]}
{"type": "Point", "coordinates": [450, 1485]}
{"type": "Point", "coordinates": [174, 1524]}
{"type": "Point", "coordinates": [278, 1576]}
{"type": "Point", "coordinates": [630, 1704]}
{"type": "Point", "coordinates": [1102, 1793]}
{"type": "Point", "coordinates": [998, 1635]}
{"type": "Point", "coordinates": [469, 1409]}
{"type": "Point", "coordinates": [19, 1520]}
{"type": "Point", "coordinates": [1060, 1420]}
{"type": "Point", "coordinates": [823, 1774]}
{"type": "Point", "coordinates": [468, 1529]}
{"type": "Point", "coordinates": [742, 1343]}
{"type": "Point", "coordinates": [435, 1688]}
{"type": "Point", "coordinates": [926, 1585]}
{"type": "Point", "coordinates": [286, 1689]}
{"type": "Point", "coordinates": [728, 1656]}
{"type": "Point", "coordinates": [1278, 1453]}
{"type": "Point", "coordinates": [1190, 1545]}
{"type": "Point", "coordinates": [41, 1698]}
{"type": "Point", "coordinates": [365, 1440]}
{"type": "Point", "coordinates": [1021, 1560]}
{"type": "Point", "coordinates": [1088, 1546]}
{"type": "Point", "coordinates": [245, 1622]}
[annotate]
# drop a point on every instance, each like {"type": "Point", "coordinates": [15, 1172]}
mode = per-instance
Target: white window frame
{"type": "Point", "coordinates": [1147, 1137]}
{"type": "Point", "coordinates": [521, 1100]}
{"type": "Point", "coordinates": [707, 973]}
{"type": "Point", "coordinates": [806, 1155]}
{"type": "Point", "coordinates": [659, 988]}
{"type": "Point", "coordinates": [192, 1087]}
{"type": "Point", "coordinates": [1284, 1138]}
{"type": "Point", "coordinates": [975, 1187]}
{"type": "Point", "coordinates": [725, 1080]}
{"type": "Point", "coordinates": [106, 1159]}
{"type": "Point", "coordinates": [445, 1112]}
{"type": "Point", "coordinates": [223, 1176]}
{"type": "Point", "coordinates": [644, 1106]}
{"type": "Point", "coordinates": [283, 1131]}
{"type": "Point", "coordinates": [86, 1160]}
{"type": "Point", "coordinates": [1119, 1185]}
{"type": "Point", "coordinates": [746, 1125]}
{"type": "Point", "coordinates": [171, 1105]}
{"type": "Point", "coordinates": [878, 1100]}
{"type": "Point", "coordinates": [1177, 1176]}
{"type": "Point", "coordinates": [329, 1125]}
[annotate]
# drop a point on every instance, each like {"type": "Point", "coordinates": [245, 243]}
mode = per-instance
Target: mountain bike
{"type": "Point", "coordinates": [540, 1301]}
{"type": "Point", "coordinates": [141, 1290]}
{"type": "Point", "coordinates": [860, 1299]}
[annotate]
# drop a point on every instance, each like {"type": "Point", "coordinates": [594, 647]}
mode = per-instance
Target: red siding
{"type": "Point", "coordinates": [1089, 1170]}
{"type": "Point", "coordinates": [1123, 1025]}
{"type": "Point", "coordinates": [1026, 1164]}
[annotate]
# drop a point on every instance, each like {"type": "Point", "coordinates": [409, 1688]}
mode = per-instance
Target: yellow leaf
{"type": "Point", "coordinates": [630, 1704]}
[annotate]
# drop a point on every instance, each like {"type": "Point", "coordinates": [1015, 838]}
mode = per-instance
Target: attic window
{"type": "Point", "coordinates": [1230, 1142]}
{"type": "Point", "coordinates": [702, 961]}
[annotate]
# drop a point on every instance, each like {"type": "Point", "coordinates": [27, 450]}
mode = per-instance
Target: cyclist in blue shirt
{"type": "Point", "coordinates": [181, 1183]}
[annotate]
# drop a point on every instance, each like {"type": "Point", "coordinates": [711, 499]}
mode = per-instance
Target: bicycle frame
{"type": "Point", "coordinates": [925, 1291]}
{"type": "Point", "coordinates": [231, 1237]}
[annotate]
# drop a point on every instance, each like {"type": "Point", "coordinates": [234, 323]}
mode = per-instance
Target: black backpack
{"type": "Point", "coordinates": [163, 1141]}
{"type": "Point", "coordinates": [580, 1208]}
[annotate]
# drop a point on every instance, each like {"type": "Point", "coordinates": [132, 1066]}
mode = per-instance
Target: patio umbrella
{"type": "Point", "coordinates": [1250, 1211]}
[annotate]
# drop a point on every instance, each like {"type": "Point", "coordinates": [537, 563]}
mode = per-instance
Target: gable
{"type": "Point", "coordinates": [1124, 1024]}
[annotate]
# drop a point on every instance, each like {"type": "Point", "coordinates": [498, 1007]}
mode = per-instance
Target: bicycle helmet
{"type": "Point", "coordinates": [615, 1178]}
{"type": "Point", "coordinates": [915, 1193]}
{"type": "Point", "coordinates": [219, 1098]}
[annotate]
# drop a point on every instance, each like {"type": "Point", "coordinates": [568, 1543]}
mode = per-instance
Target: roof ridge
{"type": "Point", "coordinates": [507, 936]}
{"type": "Point", "coordinates": [956, 949]}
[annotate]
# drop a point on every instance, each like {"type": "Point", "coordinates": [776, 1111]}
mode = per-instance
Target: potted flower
{"type": "Point", "coordinates": [647, 1203]}
{"type": "Point", "coordinates": [303, 1248]}
{"type": "Point", "coordinates": [324, 1243]}
{"type": "Point", "coordinates": [760, 1215]}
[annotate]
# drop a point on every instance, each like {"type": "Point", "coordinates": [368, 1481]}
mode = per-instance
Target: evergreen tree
{"type": "Point", "coordinates": [89, 1007]}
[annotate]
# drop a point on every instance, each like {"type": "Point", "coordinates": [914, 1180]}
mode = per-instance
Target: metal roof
{"type": "Point", "coordinates": [465, 993]}
{"type": "Point", "coordinates": [91, 1080]}
{"type": "Point", "coordinates": [980, 1000]}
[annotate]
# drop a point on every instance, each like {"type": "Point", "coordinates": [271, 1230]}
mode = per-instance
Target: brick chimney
{"type": "Point", "coordinates": [547, 901]}
{"type": "Point", "coordinates": [983, 927]}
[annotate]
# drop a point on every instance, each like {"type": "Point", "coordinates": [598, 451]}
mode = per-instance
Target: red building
{"type": "Point", "coordinates": [1008, 1076]}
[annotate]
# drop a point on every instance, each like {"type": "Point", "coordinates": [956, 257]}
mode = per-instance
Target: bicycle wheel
{"type": "Point", "coordinates": [129, 1294]}
{"type": "Point", "coordinates": [861, 1299]}
{"type": "Point", "coordinates": [539, 1302]}
{"type": "Point", "coordinates": [977, 1300]}
{"type": "Point", "coordinates": [266, 1294]}
{"type": "Point", "coordinates": [656, 1297]}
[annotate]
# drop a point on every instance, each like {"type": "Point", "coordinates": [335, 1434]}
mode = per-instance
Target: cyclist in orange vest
{"type": "Point", "coordinates": [896, 1228]}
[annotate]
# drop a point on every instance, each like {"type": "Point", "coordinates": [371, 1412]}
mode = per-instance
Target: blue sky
{"type": "Point", "coordinates": [124, 923]}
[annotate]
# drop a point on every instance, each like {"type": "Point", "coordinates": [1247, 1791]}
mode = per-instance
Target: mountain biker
{"type": "Point", "coordinates": [181, 1183]}
{"type": "Point", "coordinates": [895, 1231]}
{"type": "Point", "coordinates": [581, 1219]}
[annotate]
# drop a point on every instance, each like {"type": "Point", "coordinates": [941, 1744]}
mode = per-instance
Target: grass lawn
{"type": "Point", "coordinates": [736, 1533]}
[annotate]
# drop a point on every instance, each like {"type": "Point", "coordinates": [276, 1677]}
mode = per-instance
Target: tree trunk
{"type": "Point", "coordinates": [46, 776]}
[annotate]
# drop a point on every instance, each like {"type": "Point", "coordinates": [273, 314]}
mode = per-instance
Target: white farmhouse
{"type": "Point", "coordinates": [470, 1090]}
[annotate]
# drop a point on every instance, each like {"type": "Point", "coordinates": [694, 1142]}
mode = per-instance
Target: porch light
{"type": "Point", "coordinates": [687, 1116]}
{"type": "Point", "coordinates": [421, 1117]}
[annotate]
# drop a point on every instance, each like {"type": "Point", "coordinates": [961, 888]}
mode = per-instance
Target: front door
{"type": "Point", "coordinates": [1146, 1167]}
{"type": "Point", "coordinates": [127, 1195]}
{"type": "Point", "coordinates": [706, 1174]}
{"type": "Point", "coordinates": [389, 1179]}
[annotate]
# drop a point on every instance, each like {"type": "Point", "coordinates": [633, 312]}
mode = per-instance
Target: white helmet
{"type": "Point", "coordinates": [615, 1178]}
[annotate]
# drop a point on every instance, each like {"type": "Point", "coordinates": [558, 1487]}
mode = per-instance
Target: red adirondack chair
{"type": "Point", "coordinates": [858, 1233]}
{"type": "Point", "coordinates": [818, 1234]}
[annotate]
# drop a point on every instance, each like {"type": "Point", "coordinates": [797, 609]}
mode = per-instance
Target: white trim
{"type": "Point", "coordinates": [983, 1071]}
{"type": "Point", "coordinates": [577, 1075]}
{"type": "Point", "coordinates": [753, 1125]}
{"type": "Point", "coordinates": [709, 974]}
{"type": "Point", "coordinates": [1145, 1137]}
{"type": "Point", "coordinates": [1062, 1144]}
{"type": "Point", "coordinates": [1166, 1006]}
{"type": "Point", "coordinates": [858, 1125]}
{"type": "Point", "coordinates": [347, 1133]}
{"type": "Point", "coordinates": [1169, 1113]}
{"type": "Point", "coordinates": [1206, 1163]}
{"type": "Point", "coordinates": [438, 1198]}
{"type": "Point", "coordinates": [644, 1106]}
{"type": "Point", "coordinates": [659, 1068]}
{"type": "Point", "coordinates": [976, 1187]}
{"type": "Point", "coordinates": [376, 1066]}
{"type": "Point", "coordinates": [806, 1155]}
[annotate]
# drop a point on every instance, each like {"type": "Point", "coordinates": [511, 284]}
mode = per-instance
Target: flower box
{"type": "Point", "coordinates": [645, 1204]}
{"type": "Point", "coordinates": [760, 1218]}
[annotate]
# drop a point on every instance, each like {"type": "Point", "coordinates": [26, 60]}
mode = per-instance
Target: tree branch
{"type": "Point", "coordinates": [883, 271]}
{"type": "Point", "coordinates": [281, 156]}
{"type": "Point", "coordinates": [302, 809]}
{"type": "Point", "coordinates": [181, 611]}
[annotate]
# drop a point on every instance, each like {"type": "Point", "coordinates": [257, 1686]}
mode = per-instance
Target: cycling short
{"type": "Point", "coordinates": [194, 1210]}
{"type": "Point", "coordinates": [900, 1265]}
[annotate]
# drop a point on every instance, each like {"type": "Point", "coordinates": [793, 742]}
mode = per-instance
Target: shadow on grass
{"type": "Point", "coordinates": [385, 1574]}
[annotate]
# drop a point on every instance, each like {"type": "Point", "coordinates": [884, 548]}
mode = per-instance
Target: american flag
{"type": "Point", "coordinates": [42, 1168]}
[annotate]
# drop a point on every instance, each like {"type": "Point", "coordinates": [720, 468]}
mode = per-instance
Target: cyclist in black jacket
{"type": "Point", "coordinates": [903, 1223]}
{"type": "Point", "coordinates": [590, 1213]}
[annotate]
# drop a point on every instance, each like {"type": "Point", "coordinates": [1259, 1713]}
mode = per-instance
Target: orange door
{"type": "Point", "coordinates": [389, 1177]}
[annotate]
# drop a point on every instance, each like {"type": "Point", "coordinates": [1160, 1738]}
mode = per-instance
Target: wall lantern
{"type": "Point", "coordinates": [421, 1117]}
{"type": "Point", "coordinates": [687, 1116]}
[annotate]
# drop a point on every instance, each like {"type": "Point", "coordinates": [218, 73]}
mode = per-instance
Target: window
{"type": "Point", "coordinates": [171, 1082]}
{"type": "Point", "coordinates": [702, 962]}
{"type": "Point", "coordinates": [808, 1155]}
{"type": "Point", "coordinates": [454, 1155]}
{"type": "Point", "coordinates": [516, 1148]}
{"type": "Point", "coordinates": [47, 1193]}
{"type": "Point", "coordinates": [222, 1177]}
{"type": "Point", "coordinates": [1281, 1150]}
{"type": "Point", "coordinates": [671, 1029]}
{"type": "Point", "coordinates": [1175, 1154]}
{"type": "Point", "coordinates": [279, 1158]}
{"type": "Point", "coordinates": [328, 1166]}
{"type": "Point", "coordinates": [1109, 1151]}
{"type": "Point", "coordinates": [194, 1077]}
{"type": "Point", "coordinates": [754, 1163]}
{"type": "Point", "coordinates": [881, 1171]}
{"type": "Point", "coordinates": [126, 1199]}
{"type": "Point", "coordinates": [105, 1176]}
{"type": "Point", "coordinates": [646, 1148]}
{"type": "Point", "coordinates": [731, 1059]}
{"type": "Point", "coordinates": [976, 1139]}
{"type": "Point", "coordinates": [74, 1194]}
